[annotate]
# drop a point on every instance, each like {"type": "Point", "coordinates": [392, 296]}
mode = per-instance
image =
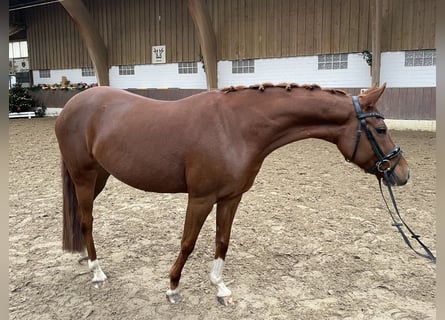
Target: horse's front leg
{"type": "Point", "coordinates": [225, 214]}
{"type": "Point", "coordinates": [197, 211]}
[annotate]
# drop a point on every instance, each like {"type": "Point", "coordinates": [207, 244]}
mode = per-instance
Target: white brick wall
{"type": "Point", "coordinates": [73, 75]}
{"type": "Point", "coordinates": [158, 76]}
{"type": "Point", "coordinates": [395, 74]}
{"type": "Point", "coordinates": [295, 69]}
{"type": "Point", "coordinates": [303, 70]}
{"type": "Point", "coordinates": [146, 76]}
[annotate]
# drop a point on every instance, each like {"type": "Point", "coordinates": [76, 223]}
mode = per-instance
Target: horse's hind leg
{"type": "Point", "coordinates": [86, 191]}
{"type": "Point", "coordinates": [101, 181]}
{"type": "Point", "coordinates": [197, 211]}
{"type": "Point", "coordinates": [225, 214]}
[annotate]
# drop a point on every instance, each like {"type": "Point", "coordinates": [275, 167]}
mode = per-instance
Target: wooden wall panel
{"type": "Point", "coordinates": [129, 30]}
{"type": "Point", "coordinates": [309, 28]}
{"type": "Point", "coordinates": [409, 103]}
{"type": "Point", "coordinates": [405, 103]}
{"type": "Point", "coordinates": [364, 35]}
{"type": "Point", "coordinates": [53, 40]}
{"type": "Point", "coordinates": [300, 39]}
{"type": "Point", "coordinates": [335, 26]}
{"type": "Point", "coordinates": [244, 29]}
{"type": "Point", "coordinates": [281, 28]}
{"type": "Point", "coordinates": [326, 22]}
{"type": "Point", "coordinates": [408, 24]}
{"type": "Point", "coordinates": [345, 7]}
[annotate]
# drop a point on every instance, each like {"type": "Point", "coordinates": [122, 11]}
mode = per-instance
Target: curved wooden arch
{"type": "Point", "coordinates": [207, 39]}
{"type": "Point", "coordinates": [90, 34]}
{"type": "Point", "coordinates": [99, 54]}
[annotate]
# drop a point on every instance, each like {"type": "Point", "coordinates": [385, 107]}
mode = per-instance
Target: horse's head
{"type": "Point", "coordinates": [367, 143]}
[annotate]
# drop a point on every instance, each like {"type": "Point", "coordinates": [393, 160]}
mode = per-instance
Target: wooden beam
{"type": "Point", "coordinates": [376, 15]}
{"type": "Point", "coordinates": [90, 35]}
{"type": "Point", "coordinates": [207, 39]}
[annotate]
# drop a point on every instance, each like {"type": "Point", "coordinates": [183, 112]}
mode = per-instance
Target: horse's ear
{"type": "Point", "coordinates": [370, 97]}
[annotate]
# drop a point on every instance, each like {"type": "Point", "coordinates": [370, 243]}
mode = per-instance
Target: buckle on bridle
{"type": "Point", "coordinates": [383, 165]}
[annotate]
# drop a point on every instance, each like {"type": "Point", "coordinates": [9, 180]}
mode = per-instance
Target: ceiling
{"type": "Point", "coordinates": [15, 5]}
{"type": "Point", "coordinates": [16, 19]}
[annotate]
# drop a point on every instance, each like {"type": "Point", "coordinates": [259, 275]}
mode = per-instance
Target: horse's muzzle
{"type": "Point", "coordinates": [393, 179]}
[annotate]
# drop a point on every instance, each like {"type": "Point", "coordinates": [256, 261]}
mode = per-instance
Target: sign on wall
{"type": "Point", "coordinates": [158, 54]}
{"type": "Point", "coordinates": [21, 65]}
{"type": "Point", "coordinates": [18, 65]}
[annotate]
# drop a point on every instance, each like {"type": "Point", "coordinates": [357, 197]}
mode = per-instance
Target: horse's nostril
{"type": "Point", "coordinates": [405, 181]}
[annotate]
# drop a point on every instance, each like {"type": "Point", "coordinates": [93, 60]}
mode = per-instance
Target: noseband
{"type": "Point", "coordinates": [383, 163]}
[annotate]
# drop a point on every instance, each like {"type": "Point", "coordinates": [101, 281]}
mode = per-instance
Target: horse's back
{"type": "Point", "coordinates": [101, 109]}
{"type": "Point", "coordinates": [89, 101]}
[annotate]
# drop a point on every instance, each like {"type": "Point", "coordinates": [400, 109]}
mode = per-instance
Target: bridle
{"type": "Point", "coordinates": [386, 170]}
{"type": "Point", "coordinates": [383, 163]}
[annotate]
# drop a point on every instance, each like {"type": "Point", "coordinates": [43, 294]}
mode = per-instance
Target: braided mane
{"type": "Point", "coordinates": [284, 85]}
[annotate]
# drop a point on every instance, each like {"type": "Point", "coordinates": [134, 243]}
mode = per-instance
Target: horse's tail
{"type": "Point", "coordinates": [72, 233]}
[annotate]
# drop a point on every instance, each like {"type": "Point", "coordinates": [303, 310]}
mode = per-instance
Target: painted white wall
{"type": "Point", "coordinates": [395, 74]}
{"type": "Point", "coordinates": [158, 76]}
{"type": "Point", "coordinates": [302, 70]}
{"type": "Point", "coordinates": [73, 75]}
{"type": "Point", "coordinates": [146, 76]}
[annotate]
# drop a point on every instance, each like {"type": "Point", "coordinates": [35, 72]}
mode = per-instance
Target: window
{"type": "Point", "coordinates": [333, 61]}
{"type": "Point", "coordinates": [18, 57]}
{"type": "Point", "coordinates": [126, 70]}
{"type": "Point", "coordinates": [45, 73]}
{"type": "Point", "coordinates": [18, 49]}
{"type": "Point", "coordinates": [187, 67]}
{"type": "Point", "coordinates": [420, 58]}
{"type": "Point", "coordinates": [88, 72]}
{"type": "Point", "coordinates": [243, 66]}
{"type": "Point", "coordinates": [22, 77]}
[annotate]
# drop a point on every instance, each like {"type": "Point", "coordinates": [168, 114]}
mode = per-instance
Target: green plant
{"type": "Point", "coordinates": [201, 59]}
{"type": "Point", "coordinates": [367, 55]}
{"type": "Point", "coordinates": [21, 101]}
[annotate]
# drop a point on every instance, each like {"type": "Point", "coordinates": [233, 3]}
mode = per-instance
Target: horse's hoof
{"type": "Point", "coordinates": [99, 276]}
{"type": "Point", "coordinates": [98, 284]}
{"type": "Point", "coordinates": [226, 301]}
{"type": "Point", "coordinates": [172, 296]}
{"type": "Point", "coordinates": [99, 279]}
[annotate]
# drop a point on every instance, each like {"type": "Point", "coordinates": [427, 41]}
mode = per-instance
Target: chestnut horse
{"type": "Point", "coordinates": [211, 146]}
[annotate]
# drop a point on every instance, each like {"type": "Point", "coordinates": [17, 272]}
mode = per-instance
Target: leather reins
{"type": "Point", "coordinates": [383, 165]}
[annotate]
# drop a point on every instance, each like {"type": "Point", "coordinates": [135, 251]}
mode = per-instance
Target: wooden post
{"type": "Point", "coordinates": [207, 39]}
{"type": "Point", "coordinates": [376, 36]}
{"type": "Point", "coordinates": [90, 34]}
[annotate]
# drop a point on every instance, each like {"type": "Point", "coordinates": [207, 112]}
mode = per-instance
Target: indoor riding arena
{"type": "Point", "coordinates": [313, 238]}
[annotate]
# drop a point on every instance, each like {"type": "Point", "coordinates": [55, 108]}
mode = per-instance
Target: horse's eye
{"type": "Point", "coordinates": [380, 130]}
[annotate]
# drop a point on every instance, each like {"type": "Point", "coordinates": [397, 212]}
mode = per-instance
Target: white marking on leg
{"type": "Point", "coordinates": [94, 266]}
{"type": "Point", "coordinates": [173, 295]}
{"type": "Point", "coordinates": [216, 278]}
{"type": "Point", "coordinates": [171, 292]}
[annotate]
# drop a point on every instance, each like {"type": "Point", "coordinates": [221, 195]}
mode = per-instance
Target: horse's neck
{"type": "Point", "coordinates": [278, 121]}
